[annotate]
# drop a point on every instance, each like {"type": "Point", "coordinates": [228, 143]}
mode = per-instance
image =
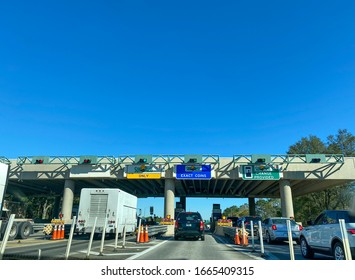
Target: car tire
{"type": "Point", "coordinates": [338, 251]}
{"type": "Point", "coordinates": [268, 238]}
{"type": "Point", "coordinates": [25, 230]}
{"type": "Point", "coordinates": [306, 251]}
{"type": "Point", "coordinates": [202, 238]}
{"type": "Point", "coordinates": [176, 237]}
{"type": "Point", "coordinates": [13, 232]}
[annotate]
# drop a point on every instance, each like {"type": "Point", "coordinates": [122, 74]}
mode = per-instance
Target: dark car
{"type": "Point", "coordinates": [246, 220]}
{"type": "Point", "coordinates": [234, 221]}
{"type": "Point", "coordinates": [189, 225]}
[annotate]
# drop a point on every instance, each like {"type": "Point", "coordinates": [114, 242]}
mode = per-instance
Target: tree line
{"type": "Point", "coordinates": [308, 206]}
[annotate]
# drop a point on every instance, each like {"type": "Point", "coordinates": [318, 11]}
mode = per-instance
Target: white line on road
{"type": "Point", "coordinates": [110, 254]}
{"type": "Point", "coordinates": [146, 251]}
{"type": "Point", "coordinates": [234, 247]}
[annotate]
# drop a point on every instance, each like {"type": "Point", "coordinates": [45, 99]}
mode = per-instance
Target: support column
{"type": "Point", "coordinates": [169, 202]}
{"type": "Point", "coordinates": [68, 199]}
{"type": "Point", "coordinates": [286, 199]}
{"type": "Point", "coordinates": [169, 194]}
{"type": "Point", "coordinates": [251, 202]}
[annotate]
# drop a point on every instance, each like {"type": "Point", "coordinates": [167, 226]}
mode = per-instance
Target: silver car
{"type": "Point", "coordinates": [324, 235]}
{"type": "Point", "coordinates": [275, 229]}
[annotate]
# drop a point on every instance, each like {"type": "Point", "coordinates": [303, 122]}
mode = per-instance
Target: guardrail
{"type": "Point", "coordinates": [229, 231]}
{"type": "Point", "coordinates": [39, 226]}
{"type": "Point", "coordinates": [157, 230]}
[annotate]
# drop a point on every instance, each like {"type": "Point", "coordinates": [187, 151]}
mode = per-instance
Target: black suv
{"type": "Point", "coordinates": [189, 225]}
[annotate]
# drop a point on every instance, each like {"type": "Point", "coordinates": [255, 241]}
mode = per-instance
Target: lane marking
{"type": "Point", "coordinates": [146, 251]}
{"type": "Point", "coordinates": [110, 254]}
{"type": "Point", "coordinates": [235, 248]}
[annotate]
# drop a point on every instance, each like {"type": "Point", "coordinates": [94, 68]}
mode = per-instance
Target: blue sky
{"type": "Point", "coordinates": [173, 77]}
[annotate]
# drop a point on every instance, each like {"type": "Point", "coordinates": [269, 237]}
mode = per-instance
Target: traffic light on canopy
{"type": "Point", "coordinates": [315, 158]}
{"type": "Point", "coordinates": [143, 159]}
{"type": "Point", "coordinates": [193, 159]}
{"type": "Point", "coordinates": [261, 159]}
{"type": "Point", "coordinates": [40, 160]}
{"type": "Point", "coordinates": [88, 160]}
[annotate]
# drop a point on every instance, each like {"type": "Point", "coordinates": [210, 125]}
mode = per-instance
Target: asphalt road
{"type": "Point", "coordinates": [165, 248]}
{"type": "Point", "coordinates": [212, 248]}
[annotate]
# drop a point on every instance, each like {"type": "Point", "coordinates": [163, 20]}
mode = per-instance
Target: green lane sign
{"type": "Point", "coordinates": [260, 172]}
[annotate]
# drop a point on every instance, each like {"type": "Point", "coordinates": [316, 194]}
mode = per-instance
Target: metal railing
{"type": "Point", "coordinates": [66, 160]}
{"type": "Point", "coordinates": [180, 159]}
{"type": "Point", "coordinates": [290, 158]}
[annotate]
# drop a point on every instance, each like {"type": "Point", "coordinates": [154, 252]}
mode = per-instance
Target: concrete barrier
{"type": "Point", "coordinates": [219, 230]}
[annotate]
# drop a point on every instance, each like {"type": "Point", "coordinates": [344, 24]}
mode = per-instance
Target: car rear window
{"type": "Point", "coordinates": [189, 217]}
{"type": "Point", "coordinates": [254, 219]}
{"type": "Point", "coordinates": [282, 221]}
{"type": "Point", "coordinates": [279, 221]}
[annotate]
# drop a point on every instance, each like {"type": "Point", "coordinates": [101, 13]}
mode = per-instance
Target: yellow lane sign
{"type": "Point", "coordinates": [143, 176]}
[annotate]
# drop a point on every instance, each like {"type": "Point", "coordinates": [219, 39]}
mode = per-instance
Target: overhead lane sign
{"type": "Point", "coordinates": [193, 172]}
{"type": "Point", "coordinates": [260, 172]}
{"type": "Point", "coordinates": [144, 171]}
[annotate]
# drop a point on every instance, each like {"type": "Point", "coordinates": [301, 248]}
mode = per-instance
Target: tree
{"type": "Point", "coordinates": [342, 143]}
{"type": "Point", "coordinates": [310, 145]}
{"type": "Point", "coordinates": [308, 206]}
{"type": "Point", "coordinates": [235, 211]}
{"type": "Point", "coordinates": [268, 207]}
{"type": "Point", "coordinates": [45, 209]}
{"type": "Point", "coordinates": [232, 211]}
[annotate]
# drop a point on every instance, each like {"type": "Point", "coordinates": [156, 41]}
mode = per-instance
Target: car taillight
{"type": "Point", "coordinates": [351, 231]}
{"type": "Point", "coordinates": [176, 224]}
{"type": "Point", "coordinates": [300, 227]}
{"type": "Point", "coordinates": [201, 225]}
{"type": "Point", "coordinates": [274, 227]}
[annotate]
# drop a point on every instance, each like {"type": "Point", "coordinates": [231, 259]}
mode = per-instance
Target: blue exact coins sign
{"type": "Point", "coordinates": [193, 172]}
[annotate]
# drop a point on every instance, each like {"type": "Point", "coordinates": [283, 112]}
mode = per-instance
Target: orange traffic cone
{"type": "Point", "coordinates": [55, 233]}
{"type": "Point", "coordinates": [236, 238]}
{"type": "Point", "coordinates": [59, 231]}
{"type": "Point", "coordinates": [146, 236]}
{"type": "Point", "coordinates": [245, 239]}
{"type": "Point", "coordinates": [141, 236]}
{"type": "Point", "coordinates": [62, 231]}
